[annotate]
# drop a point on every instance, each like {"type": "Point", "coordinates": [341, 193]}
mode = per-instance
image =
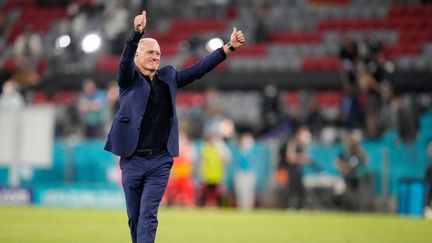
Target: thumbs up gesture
{"type": "Point", "coordinates": [140, 22]}
{"type": "Point", "coordinates": [237, 38]}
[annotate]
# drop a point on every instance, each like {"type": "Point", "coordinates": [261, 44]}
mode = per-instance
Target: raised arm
{"type": "Point", "coordinates": [209, 62]}
{"type": "Point", "coordinates": [126, 68]}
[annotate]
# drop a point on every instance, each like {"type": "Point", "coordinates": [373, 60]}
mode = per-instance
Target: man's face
{"type": "Point", "coordinates": [147, 57]}
{"type": "Point", "coordinates": [89, 88]}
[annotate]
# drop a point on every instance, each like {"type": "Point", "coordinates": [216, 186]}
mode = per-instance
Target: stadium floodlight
{"type": "Point", "coordinates": [214, 44]}
{"type": "Point", "coordinates": [63, 41]}
{"type": "Point", "coordinates": [91, 43]}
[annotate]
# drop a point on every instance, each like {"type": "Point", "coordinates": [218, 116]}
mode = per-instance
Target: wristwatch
{"type": "Point", "coordinates": [230, 46]}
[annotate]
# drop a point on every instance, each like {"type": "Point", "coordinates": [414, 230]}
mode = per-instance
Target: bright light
{"type": "Point", "coordinates": [63, 41]}
{"type": "Point", "coordinates": [91, 43]}
{"type": "Point", "coordinates": [214, 44]}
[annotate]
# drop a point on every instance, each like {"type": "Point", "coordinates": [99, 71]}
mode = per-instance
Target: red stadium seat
{"type": "Point", "coordinates": [38, 97]}
{"type": "Point", "coordinates": [255, 50]}
{"type": "Point", "coordinates": [291, 99]}
{"type": "Point", "coordinates": [42, 66]}
{"type": "Point", "coordinates": [197, 25]}
{"type": "Point", "coordinates": [10, 65]}
{"type": "Point", "coordinates": [107, 63]}
{"type": "Point", "coordinates": [190, 99]}
{"type": "Point", "coordinates": [329, 98]}
{"type": "Point", "coordinates": [168, 48]}
{"type": "Point", "coordinates": [18, 3]}
{"type": "Point", "coordinates": [320, 63]}
{"type": "Point", "coordinates": [396, 50]}
{"type": "Point", "coordinates": [169, 37]}
{"type": "Point", "coordinates": [65, 97]}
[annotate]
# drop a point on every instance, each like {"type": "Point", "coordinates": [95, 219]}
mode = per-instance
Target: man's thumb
{"type": "Point", "coordinates": [234, 30]}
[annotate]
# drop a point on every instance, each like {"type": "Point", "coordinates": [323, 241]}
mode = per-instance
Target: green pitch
{"type": "Point", "coordinates": [206, 226]}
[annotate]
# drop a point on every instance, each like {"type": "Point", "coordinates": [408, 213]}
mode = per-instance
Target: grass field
{"type": "Point", "coordinates": [207, 226]}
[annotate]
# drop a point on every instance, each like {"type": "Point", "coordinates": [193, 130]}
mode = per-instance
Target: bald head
{"type": "Point", "coordinates": [147, 56]}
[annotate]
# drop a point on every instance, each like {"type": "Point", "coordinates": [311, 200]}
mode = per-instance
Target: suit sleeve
{"type": "Point", "coordinates": [200, 68]}
{"type": "Point", "coordinates": [126, 67]}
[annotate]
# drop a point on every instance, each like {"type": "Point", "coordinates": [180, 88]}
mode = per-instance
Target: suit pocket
{"type": "Point", "coordinates": [124, 119]}
{"type": "Point", "coordinates": [121, 118]}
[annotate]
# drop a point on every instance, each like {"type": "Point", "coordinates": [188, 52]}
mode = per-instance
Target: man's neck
{"type": "Point", "coordinates": [148, 73]}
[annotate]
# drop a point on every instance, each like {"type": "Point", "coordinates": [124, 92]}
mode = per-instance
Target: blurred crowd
{"type": "Point", "coordinates": [368, 73]}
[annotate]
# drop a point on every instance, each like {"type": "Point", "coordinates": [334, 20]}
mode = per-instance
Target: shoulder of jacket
{"type": "Point", "coordinates": [167, 69]}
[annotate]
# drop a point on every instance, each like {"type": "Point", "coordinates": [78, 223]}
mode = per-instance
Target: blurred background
{"type": "Point", "coordinates": [328, 106]}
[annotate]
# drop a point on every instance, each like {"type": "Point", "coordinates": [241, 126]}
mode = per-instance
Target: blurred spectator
{"type": "Point", "coordinates": [10, 97]}
{"type": "Point", "coordinates": [407, 118]}
{"type": "Point", "coordinates": [28, 48]}
{"type": "Point", "coordinates": [354, 58]}
{"type": "Point", "coordinates": [214, 155]}
{"type": "Point", "coordinates": [5, 29]}
{"type": "Point", "coordinates": [245, 176]}
{"type": "Point", "coordinates": [214, 111]}
{"type": "Point", "coordinates": [260, 9]}
{"type": "Point", "coordinates": [79, 21]}
{"type": "Point", "coordinates": [112, 101]}
{"type": "Point", "coordinates": [376, 79]}
{"type": "Point", "coordinates": [351, 111]}
{"type": "Point", "coordinates": [373, 101]}
{"type": "Point", "coordinates": [293, 155]}
{"type": "Point", "coordinates": [112, 98]}
{"type": "Point", "coordinates": [180, 190]}
{"type": "Point", "coordinates": [214, 103]}
{"type": "Point", "coordinates": [91, 106]}
{"type": "Point", "coordinates": [428, 179]}
{"type": "Point", "coordinates": [195, 45]}
{"type": "Point", "coordinates": [270, 110]}
{"type": "Point", "coordinates": [369, 49]}
{"type": "Point", "coordinates": [348, 54]}
{"type": "Point", "coordinates": [306, 112]}
{"type": "Point", "coordinates": [352, 165]}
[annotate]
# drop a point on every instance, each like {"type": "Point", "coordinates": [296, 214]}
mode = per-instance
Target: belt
{"type": "Point", "coordinates": [148, 152]}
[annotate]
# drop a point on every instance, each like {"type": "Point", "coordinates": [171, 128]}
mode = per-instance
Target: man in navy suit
{"type": "Point", "coordinates": [144, 132]}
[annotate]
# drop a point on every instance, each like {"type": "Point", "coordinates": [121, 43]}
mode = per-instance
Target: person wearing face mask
{"type": "Point", "coordinates": [144, 132]}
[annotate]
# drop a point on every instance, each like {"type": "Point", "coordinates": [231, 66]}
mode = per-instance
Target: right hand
{"type": "Point", "coordinates": [140, 22]}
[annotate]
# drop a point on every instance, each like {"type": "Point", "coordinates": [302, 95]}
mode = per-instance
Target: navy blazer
{"type": "Point", "coordinates": [134, 93]}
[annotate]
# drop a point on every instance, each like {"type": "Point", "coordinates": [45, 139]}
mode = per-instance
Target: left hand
{"type": "Point", "coordinates": [237, 38]}
{"type": "Point", "coordinates": [140, 22]}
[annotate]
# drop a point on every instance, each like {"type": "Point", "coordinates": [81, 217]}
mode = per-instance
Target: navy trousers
{"type": "Point", "coordinates": [144, 181]}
